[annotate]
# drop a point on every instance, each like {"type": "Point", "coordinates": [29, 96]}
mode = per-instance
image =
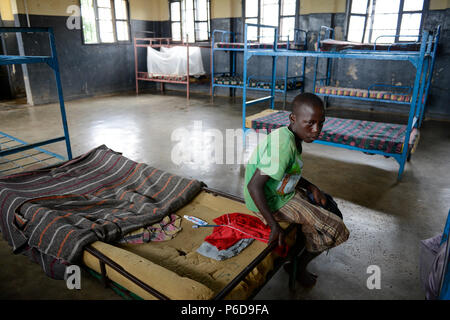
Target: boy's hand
{"type": "Point", "coordinates": [276, 234]}
{"type": "Point", "coordinates": [319, 196]}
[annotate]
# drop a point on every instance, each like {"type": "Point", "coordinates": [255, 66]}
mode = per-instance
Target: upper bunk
{"type": "Point", "coordinates": [226, 41]}
{"type": "Point", "coordinates": [15, 59]}
{"type": "Point", "coordinates": [412, 52]}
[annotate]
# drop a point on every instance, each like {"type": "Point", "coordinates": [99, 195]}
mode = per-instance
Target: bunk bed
{"type": "Point", "coordinates": [225, 41]}
{"type": "Point", "coordinates": [15, 154]}
{"type": "Point", "coordinates": [390, 140]}
{"type": "Point", "coordinates": [78, 213]}
{"type": "Point", "coordinates": [162, 78]}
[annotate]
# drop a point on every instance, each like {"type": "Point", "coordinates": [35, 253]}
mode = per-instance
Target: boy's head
{"type": "Point", "coordinates": [307, 117]}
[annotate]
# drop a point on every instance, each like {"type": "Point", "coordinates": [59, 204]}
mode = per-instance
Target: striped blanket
{"type": "Point", "coordinates": [55, 212]}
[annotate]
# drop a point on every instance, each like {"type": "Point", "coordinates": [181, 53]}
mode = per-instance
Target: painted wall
{"type": "Point", "coordinates": [6, 10]}
{"type": "Point", "coordinates": [226, 9]}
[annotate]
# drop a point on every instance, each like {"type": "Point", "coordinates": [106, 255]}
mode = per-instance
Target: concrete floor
{"type": "Point", "coordinates": [386, 219]}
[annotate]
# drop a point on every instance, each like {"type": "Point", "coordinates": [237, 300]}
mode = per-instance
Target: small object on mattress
{"type": "Point", "coordinates": [339, 45]}
{"type": "Point", "coordinates": [195, 220]}
{"type": "Point", "coordinates": [210, 251]}
{"type": "Point", "coordinates": [363, 93]}
{"type": "Point", "coordinates": [368, 135]}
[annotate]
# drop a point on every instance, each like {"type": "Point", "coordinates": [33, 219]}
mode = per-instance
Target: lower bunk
{"type": "Point", "coordinates": [13, 159]}
{"type": "Point", "coordinates": [371, 137]}
{"type": "Point", "coordinates": [124, 222]}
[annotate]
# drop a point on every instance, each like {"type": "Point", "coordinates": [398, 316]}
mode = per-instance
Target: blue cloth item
{"type": "Point", "coordinates": [208, 250]}
{"type": "Point", "coordinates": [434, 265]}
{"type": "Point", "coordinates": [445, 287]}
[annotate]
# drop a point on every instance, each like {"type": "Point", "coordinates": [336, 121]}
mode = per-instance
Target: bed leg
{"type": "Point", "coordinates": [400, 170]}
{"type": "Point", "coordinates": [103, 274]}
{"type": "Point", "coordinates": [292, 275]}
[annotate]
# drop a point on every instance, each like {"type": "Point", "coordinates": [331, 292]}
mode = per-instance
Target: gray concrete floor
{"type": "Point", "coordinates": [386, 219]}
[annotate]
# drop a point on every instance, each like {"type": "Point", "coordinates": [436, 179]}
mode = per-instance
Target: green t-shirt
{"type": "Point", "coordinates": [278, 157]}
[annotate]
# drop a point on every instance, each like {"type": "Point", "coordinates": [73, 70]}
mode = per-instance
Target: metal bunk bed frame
{"type": "Point", "coordinates": [230, 37]}
{"type": "Point", "coordinates": [425, 82]}
{"type": "Point", "coordinates": [158, 43]}
{"type": "Point", "coordinates": [422, 60]}
{"type": "Point", "coordinates": [52, 60]}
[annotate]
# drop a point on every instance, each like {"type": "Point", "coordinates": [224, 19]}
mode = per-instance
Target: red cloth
{"type": "Point", "coordinates": [236, 226]}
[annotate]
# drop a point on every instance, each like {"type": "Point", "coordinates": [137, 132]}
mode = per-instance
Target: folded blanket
{"type": "Point", "coordinates": [100, 195]}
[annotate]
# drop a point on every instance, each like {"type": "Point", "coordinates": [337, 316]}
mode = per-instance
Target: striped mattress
{"type": "Point", "coordinates": [367, 135]}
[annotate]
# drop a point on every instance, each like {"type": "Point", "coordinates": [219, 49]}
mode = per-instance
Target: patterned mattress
{"type": "Point", "coordinates": [367, 135]}
{"type": "Point", "coordinates": [363, 93]}
{"type": "Point", "coordinates": [338, 45]}
{"type": "Point", "coordinates": [157, 76]}
{"type": "Point", "coordinates": [240, 45]}
{"type": "Point", "coordinates": [292, 82]}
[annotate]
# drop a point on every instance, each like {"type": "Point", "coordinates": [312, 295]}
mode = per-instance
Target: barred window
{"type": "Point", "coordinates": [190, 20]}
{"type": "Point", "coordinates": [279, 13]}
{"type": "Point", "coordinates": [105, 21]}
{"type": "Point", "coordinates": [386, 20]}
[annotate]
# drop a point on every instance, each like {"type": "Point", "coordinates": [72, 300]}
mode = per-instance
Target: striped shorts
{"type": "Point", "coordinates": [323, 230]}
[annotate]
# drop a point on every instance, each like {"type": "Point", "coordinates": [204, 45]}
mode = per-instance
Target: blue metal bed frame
{"type": "Point", "coordinates": [423, 60]}
{"type": "Point", "coordinates": [229, 37]}
{"type": "Point", "coordinates": [425, 82]}
{"type": "Point", "coordinates": [20, 146]}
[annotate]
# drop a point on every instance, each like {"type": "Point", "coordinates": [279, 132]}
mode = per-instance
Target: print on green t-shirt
{"type": "Point", "coordinates": [278, 157]}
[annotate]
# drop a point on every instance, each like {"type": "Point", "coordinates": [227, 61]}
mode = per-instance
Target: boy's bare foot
{"type": "Point", "coordinates": [306, 278]}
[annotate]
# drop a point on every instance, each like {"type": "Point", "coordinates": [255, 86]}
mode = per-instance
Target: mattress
{"type": "Point", "coordinates": [363, 93]}
{"type": "Point", "coordinates": [175, 269]}
{"type": "Point", "coordinates": [366, 135]}
{"type": "Point", "coordinates": [226, 79]}
{"type": "Point", "coordinates": [339, 45]}
{"type": "Point", "coordinates": [240, 45]}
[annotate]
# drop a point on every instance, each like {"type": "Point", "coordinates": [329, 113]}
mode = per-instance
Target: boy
{"type": "Point", "coordinates": [276, 190]}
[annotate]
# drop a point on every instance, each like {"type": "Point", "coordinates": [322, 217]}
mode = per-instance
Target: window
{"type": "Point", "coordinates": [280, 13]}
{"type": "Point", "coordinates": [373, 20]}
{"type": "Point", "coordinates": [190, 20]}
{"type": "Point", "coordinates": [105, 21]}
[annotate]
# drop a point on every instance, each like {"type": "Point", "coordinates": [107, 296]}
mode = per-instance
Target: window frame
{"type": "Point", "coordinates": [280, 16]}
{"type": "Point", "coordinates": [208, 21]}
{"type": "Point", "coordinates": [113, 19]}
{"type": "Point", "coordinates": [400, 13]}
